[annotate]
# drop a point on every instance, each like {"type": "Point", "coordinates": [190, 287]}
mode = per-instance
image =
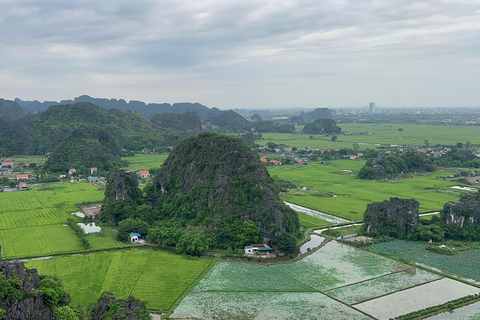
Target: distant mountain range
{"type": "Point", "coordinates": [146, 110]}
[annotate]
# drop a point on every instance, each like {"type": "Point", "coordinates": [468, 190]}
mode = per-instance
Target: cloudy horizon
{"type": "Point", "coordinates": [244, 54]}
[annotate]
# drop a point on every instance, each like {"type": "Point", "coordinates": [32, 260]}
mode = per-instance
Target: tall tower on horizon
{"type": "Point", "coordinates": [371, 107]}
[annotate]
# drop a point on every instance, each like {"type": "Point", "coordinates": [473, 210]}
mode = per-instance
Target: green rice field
{"type": "Point", "coordinates": [328, 284]}
{"type": "Point", "coordinates": [350, 195]}
{"type": "Point", "coordinates": [31, 222]}
{"type": "Point", "coordinates": [156, 277]}
{"type": "Point", "coordinates": [145, 161]}
{"type": "Point", "coordinates": [373, 135]}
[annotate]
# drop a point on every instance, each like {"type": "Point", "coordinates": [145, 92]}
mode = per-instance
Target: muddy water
{"type": "Point", "coordinates": [314, 242]}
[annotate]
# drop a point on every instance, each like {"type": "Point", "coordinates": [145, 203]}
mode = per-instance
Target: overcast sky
{"type": "Point", "coordinates": [245, 54]}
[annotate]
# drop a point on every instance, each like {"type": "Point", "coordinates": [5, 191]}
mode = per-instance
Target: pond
{"type": "Point", "coordinates": [314, 242]}
{"type": "Point", "coordinates": [90, 227]}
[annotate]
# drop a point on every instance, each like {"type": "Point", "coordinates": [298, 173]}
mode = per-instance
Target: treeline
{"type": "Point", "coordinates": [78, 232]}
{"type": "Point", "coordinates": [389, 166]}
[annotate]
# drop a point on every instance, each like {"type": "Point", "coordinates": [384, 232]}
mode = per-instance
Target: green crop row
{"type": "Point", "coordinates": [155, 277]}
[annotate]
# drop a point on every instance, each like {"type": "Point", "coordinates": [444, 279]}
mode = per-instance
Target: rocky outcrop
{"type": "Point", "coordinates": [111, 308]}
{"type": "Point", "coordinates": [463, 213]}
{"type": "Point", "coordinates": [122, 196]}
{"type": "Point", "coordinates": [30, 305]}
{"type": "Point", "coordinates": [214, 179]}
{"type": "Point", "coordinates": [322, 126]}
{"type": "Point", "coordinates": [396, 217]}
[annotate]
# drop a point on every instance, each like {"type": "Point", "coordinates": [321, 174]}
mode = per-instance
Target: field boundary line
{"type": "Point", "coordinates": [348, 305]}
{"type": "Point", "coordinates": [386, 294]}
{"type": "Point", "coordinates": [361, 281]}
{"type": "Point", "coordinates": [190, 287]}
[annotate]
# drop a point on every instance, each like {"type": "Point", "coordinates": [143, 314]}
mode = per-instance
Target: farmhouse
{"type": "Point", "coordinates": [72, 171]}
{"type": "Point", "coordinates": [134, 237]}
{"type": "Point", "coordinates": [22, 176]}
{"type": "Point", "coordinates": [94, 169]}
{"type": "Point", "coordinates": [6, 163]}
{"type": "Point", "coordinates": [92, 179]}
{"type": "Point", "coordinates": [144, 174]}
{"type": "Point", "coordinates": [23, 186]}
{"type": "Point", "coordinates": [258, 247]}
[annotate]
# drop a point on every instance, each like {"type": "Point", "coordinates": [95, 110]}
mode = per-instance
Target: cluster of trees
{"type": "Point", "coordinates": [322, 126]}
{"type": "Point", "coordinates": [392, 165]}
{"type": "Point", "coordinates": [387, 166]}
{"type": "Point", "coordinates": [78, 232]}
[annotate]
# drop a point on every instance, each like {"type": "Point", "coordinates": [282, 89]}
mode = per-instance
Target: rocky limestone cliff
{"type": "Point", "coordinates": [396, 217]}
{"type": "Point", "coordinates": [32, 306]}
{"type": "Point", "coordinates": [463, 213]}
{"type": "Point", "coordinates": [214, 179]}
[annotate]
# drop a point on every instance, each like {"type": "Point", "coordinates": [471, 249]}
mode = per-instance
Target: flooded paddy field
{"type": "Point", "coordinates": [463, 264]}
{"type": "Point", "coordinates": [335, 282]}
{"type": "Point", "coordinates": [423, 296]}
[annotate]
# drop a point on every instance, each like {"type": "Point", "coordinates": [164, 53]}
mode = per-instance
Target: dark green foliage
{"type": "Point", "coordinates": [457, 157]}
{"type": "Point", "coordinates": [228, 121]}
{"type": "Point", "coordinates": [256, 117]}
{"type": "Point", "coordinates": [53, 293]}
{"type": "Point", "coordinates": [322, 126]}
{"type": "Point", "coordinates": [177, 125]}
{"type": "Point", "coordinates": [87, 146]}
{"type": "Point", "coordinates": [10, 109]}
{"type": "Point", "coordinates": [317, 113]}
{"type": "Point", "coordinates": [11, 288]}
{"type": "Point", "coordinates": [427, 232]}
{"type": "Point", "coordinates": [394, 218]}
{"type": "Point", "coordinates": [43, 132]}
{"type": "Point", "coordinates": [193, 243]}
{"type": "Point", "coordinates": [270, 126]}
{"type": "Point", "coordinates": [78, 232]}
{"type": "Point", "coordinates": [164, 236]}
{"type": "Point", "coordinates": [125, 227]}
{"type": "Point", "coordinates": [389, 166]}
{"type": "Point", "coordinates": [286, 243]}
{"type": "Point", "coordinates": [108, 307]}
{"type": "Point", "coordinates": [216, 181]}
{"type": "Point", "coordinates": [249, 139]}
{"type": "Point", "coordinates": [122, 197]}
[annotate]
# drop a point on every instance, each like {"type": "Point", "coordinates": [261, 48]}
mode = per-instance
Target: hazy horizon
{"type": "Point", "coordinates": [244, 54]}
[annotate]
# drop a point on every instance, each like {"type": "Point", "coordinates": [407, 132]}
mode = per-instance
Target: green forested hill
{"type": "Point", "coordinates": [128, 128]}
{"type": "Point", "coordinates": [216, 181]}
{"type": "Point", "coordinates": [43, 132]}
{"type": "Point", "coordinates": [10, 109]}
{"type": "Point", "coordinates": [87, 146]}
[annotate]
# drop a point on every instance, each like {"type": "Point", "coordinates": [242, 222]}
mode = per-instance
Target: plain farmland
{"type": "Point", "coordinates": [31, 222]}
{"type": "Point", "coordinates": [156, 277]}
{"type": "Point", "coordinates": [334, 190]}
{"type": "Point", "coordinates": [373, 135]}
{"type": "Point", "coordinates": [327, 284]}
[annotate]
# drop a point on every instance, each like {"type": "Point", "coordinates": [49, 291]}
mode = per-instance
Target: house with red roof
{"type": "Point", "coordinates": [144, 174]}
{"type": "Point", "coordinates": [94, 169]}
{"type": "Point", "coordinates": [22, 176]}
{"type": "Point", "coordinates": [275, 162]}
{"type": "Point", "coordinates": [72, 171]}
{"type": "Point", "coordinates": [23, 186]}
{"type": "Point", "coordinates": [6, 162]}
{"type": "Point", "coordinates": [264, 159]}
